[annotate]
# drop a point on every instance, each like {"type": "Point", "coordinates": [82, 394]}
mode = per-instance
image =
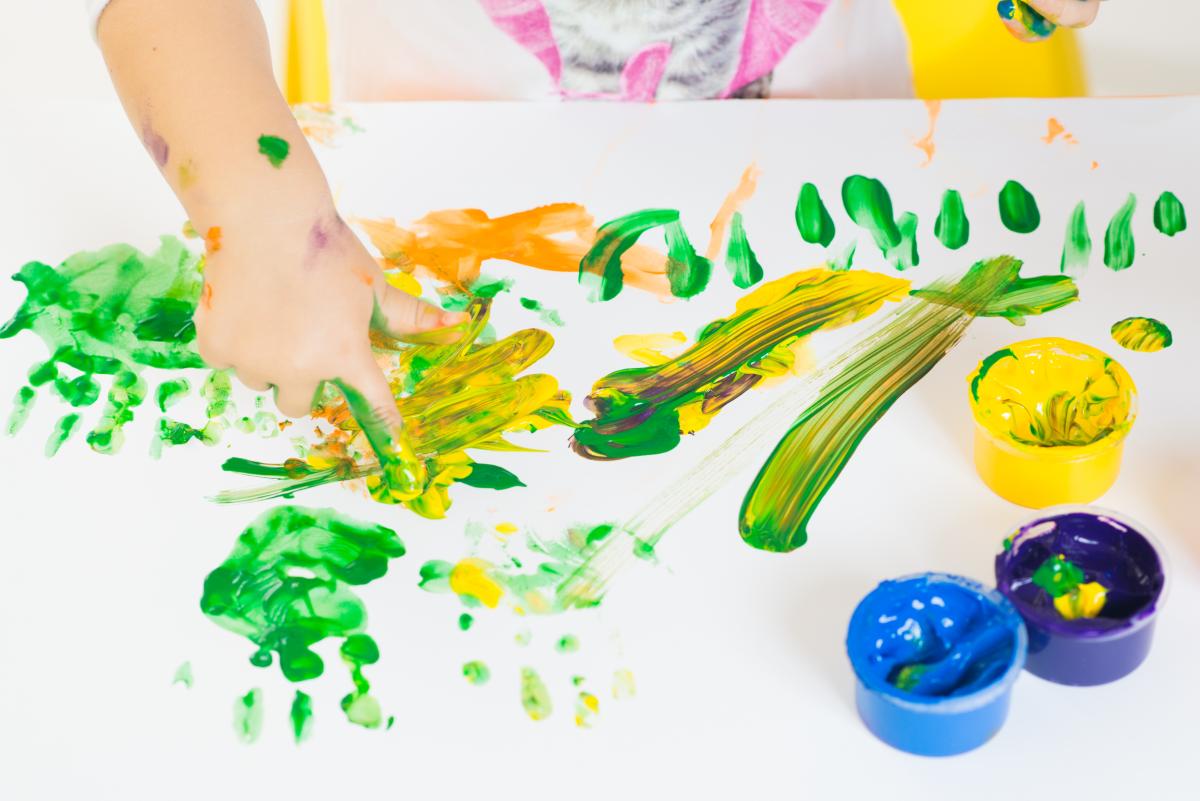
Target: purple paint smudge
{"type": "Point", "coordinates": [160, 151]}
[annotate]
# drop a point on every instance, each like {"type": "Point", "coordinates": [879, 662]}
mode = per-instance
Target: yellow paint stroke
{"type": "Point", "coordinates": [926, 143]}
{"type": "Point", "coordinates": [507, 528]}
{"type": "Point", "coordinates": [1055, 129]}
{"type": "Point", "coordinates": [469, 578]}
{"type": "Point", "coordinates": [733, 202]}
{"type": "Point", "coordinates": [451, 245]}
{"type": "Point", "coordinates": [650, 349]}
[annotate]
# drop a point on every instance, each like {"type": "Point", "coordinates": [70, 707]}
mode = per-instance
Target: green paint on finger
{"type": "Point", "coordinates": [275, 148]}
{"type": "Point", "coordinates": [301, 715]}
{"type": "Point", "coordinates": [1144, 334]}
{"type": "Point", "coordinates": [1077, 244]}
{"type": "Point", "coordinates": [535, 698]}
{"type": "Point", "coordinates": [248, 716]}
{"type": "Point", "coordinates": [1018, 209]}
{"type": "Point", "coordinates": [1169, 215]}
{"type": "Point", "coordinates": [869, 205]}
{"type": "Point", "coordinates": [740, 260]}
{"type": "Point", "coordinates": [476, 672]}
{"type": "Point", "coordinates": [812, 218]}
{"type": "Point", "coordinates": [1119, 246]}
{"type": "Point", "coordinates": [952, 228]}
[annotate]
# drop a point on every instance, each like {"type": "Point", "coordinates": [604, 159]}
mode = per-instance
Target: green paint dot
{"type": "Point", "coordinates": [812, 218]}
{"type": "Point", "coordinates": [1018, 209]}
{"type": "Point", "coordinates": [1119, 247]}
{"type": "Point", "coordinates": [1169, 215]}
{"type": "Point", "coordinates": [465, 621]}
{"type": "Point", "coordinates": [952, 228]}
{"type": "Point", "coordinates": [275, 148]}
{"type": "Point", "coordinates": [567, 644]}
{"type": "Point", "coordinates": [248, 716]}
{"type": "Point", "coordinates": [476, 672]}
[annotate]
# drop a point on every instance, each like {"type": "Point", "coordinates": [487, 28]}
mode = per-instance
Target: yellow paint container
{"type": "Point", "coordinates": [1051, 416]}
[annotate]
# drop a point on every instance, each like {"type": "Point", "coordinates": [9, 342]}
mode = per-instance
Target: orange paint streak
{"type": "Point", "coordinates": [451, 245]}
{"type": "Point", "coordinates": [212, 239]}
{"type": "Point", "coordinates": [926, 143]}
{"type": "Point", "coordinates": [733, 202]}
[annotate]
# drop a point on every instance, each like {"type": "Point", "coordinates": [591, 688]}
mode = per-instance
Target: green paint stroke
{"type": "Point", "coordinates": [465, 621]}
{"type": "Point", "coordinates": [301, 715]}
{"type": "Point", "coordinates": [600, 268]}
{"type": "Point", "coordinates": [904, 255]}
{"type": "Point", "coordinates": [688, 273]}
{"type": "Point", "coordinates": [1169, 215]}
{"type": "Point", "coordinates": [275, 148]}
{"type": "Point", "coordinates": [535, 698]}
{"type": "Point", "coordinates": [248, 716]}
{"type": "Point", "coordinates": [740, 260]}
{"type": "Point", "coordinates": [789, 487]}
{"type": "Point", "coordinates": [844, 261]}
{"type": "Point", "coordinates": [170, 392]}
{"type": "Point", "coordinates": [111, 312]}
{"type": "Point", "coordinates": [952, 228]}
{"type": "Point", "coordinates": [547, 316]}
{"type": "Point", "coordinates": [1018, 209]}
{"type": "Point", "coordinates": [490, 476]}
{"type": "Point", "coordinates": [1119, 247]}
{"type": "Point", "coordinates": [183, 675]}
{"type": "Point", "coordinates": [645, 410]}
{"type": "Point", "coordinates": [63, 430]}
{"type": "Point", "coordinates": [22, 405]}
{"type": "Point", "coordinates": [1144, 334]}
{"type": "Point", "coordinates": [1077, 245]}
{"type": "Point", "coordinates": [287, 585]}
{"type": "Point", "coordinates": [870, 206]}
{"type": "Point", "coordinates": [476, 672]}
{"type": "Point", "coordinates": [812, 218]}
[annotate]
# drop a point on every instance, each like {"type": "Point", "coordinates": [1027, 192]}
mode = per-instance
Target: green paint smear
{"type": "Point", "coordinates": [111, 312]}
{"type": "Point", "coordinates": [22, 405]}
{"type": "Point", "coordinates": [66, 426]}
{"type": "Point", "coordinates": [476, 672]}
{"type": "Point", "coordinates": [547, 316]}
{"type": "Point", "coordinates": [465, 621]}
{"type": "Point", "coordinates": [1020, 298]}
{"type": "Point", "coordinates": [1077, 245]}
{"type": "Point", "coordinates": [1169, 215]}
{"type": "Point", "coordinates": [1058, 576]}
{"type": "Point", "coordinates": [740, 261]}
{"type": "Point", "coordinates": [274, 148]}
{"type": "Point", "coordinates": [490, 476]}
{"type": "Point", "coordinates": [248, 716]}
{"type": "Point", "coordinates": [301, 715]}
{"type": "Point", "coordinates": [183, 675]}
{"type": "Point", "coordinates": [870, 206]}
{"type": "Point", "coordinates": [688, 273]}
{"type": "Point", "coordinates": [845, 261]}
{"type": "Point", "coordinates": [952, 228]}
{"type": "Point", "coordinates": [171, 392]}
{"type": "Point", "coordinates": [789, 487]}
{"type": "Point", "coordinates": [1144, 334]}
{"type": "Point", "coordinates": [287, 585]}
{"type": "Point", "coordinates": [1018, 209]}
{"type": "Point", "coordinates": [535, 698]}
{"type": "Point", "coordinates": [1119, 247]}
{"type": "Point", "coordinates": [904, 255]}
{"type": "Point", "coordinates": [600, 268]}
{"type": "Point", "coordinates": [638, 410]}
{"type": "Point", "coordinates": [812, 218]}
{"type": "Point", "coordinates": [567, 644]}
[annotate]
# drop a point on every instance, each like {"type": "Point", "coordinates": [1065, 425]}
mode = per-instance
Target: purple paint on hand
{"type": "Point", "coordinates": [158, 147]}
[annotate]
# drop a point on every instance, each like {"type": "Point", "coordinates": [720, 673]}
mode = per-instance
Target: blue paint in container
{"type": "Point", "coordinates": [936, 657]}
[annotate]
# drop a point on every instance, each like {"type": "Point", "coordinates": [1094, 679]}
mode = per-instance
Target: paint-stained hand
{"type": "Point", "coordinates": [289, 305]}
{"type": "Point", "coordinates": [1035, 20]}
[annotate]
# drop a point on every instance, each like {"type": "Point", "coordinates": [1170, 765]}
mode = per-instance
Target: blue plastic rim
{"type": "Point", "coordinates": [931, 725]}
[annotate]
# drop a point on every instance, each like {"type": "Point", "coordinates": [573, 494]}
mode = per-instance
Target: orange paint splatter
{"type": "Point", "coordinates": [212, 239]}
{"type": "Point", "coordinates": [1095, 165]}
{"type": "Point", "coordinates": [284, 425]}
{"type": "Point", "coordinates": [1055, 129]}
{"type": "Point", "coordinates": [365, 276]}
{"type": "Point", "coordinates": [745, 189]}
{"type": "Point", "coordinates": [206, 296]}
{"type": "Point", "coordinates": [926, 143]}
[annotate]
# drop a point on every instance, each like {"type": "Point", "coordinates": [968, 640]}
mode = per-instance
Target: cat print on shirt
{"type": "Point", "coordinates": [596, 38]}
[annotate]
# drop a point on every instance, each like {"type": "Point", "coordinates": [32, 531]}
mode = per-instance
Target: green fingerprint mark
{"type": "Point", "coordinates": [302, 716]}
{"type": "Point", "coordinates": [465, 621]}
{"type": "Point", "coordinates": [687, 271]}
{"type": "Point", "coordinates": [904, 255]}
{"type": "Point", "coordinates": [183, 675]}
{"type": "Point", "coordinates": [1144, 334]}
{"type": "Point", "coordinates": [600, 268]}
{"type": "Point", "coordinates": [740, 260]}
{"type": "Point", "coordinates": [535, 698]}
{"type": "Point", "coordinates": [870, 206]}
{"type": "Point", "coordinates": [812, 218]}
{"type": "Point", "coordinates": [1018, 209]}
{"type": "Point", "coordinates": [476, 672]}
{"type": "Point", "coordinates": [567, 644]}
{"type": "Point", "coordinates": [67, 425]}
{"type": "Point", "coordinates": [1077, 245]}
{"type": "Point", "coordinates": [1119, 247]}
{"type": "Point", "coordinates": [275, 148]}
{"type": "Point", "coordinates": [952, 228]}
{"type": "Point", "coordinates": [22, 406]}
{"type": "Point", "coordinates": [359, 650]}
{"type": "Point", "coordinates": [248, 716]}
{"type": "Point", "coordinates": [1169, 216]}
{"type": "Point", "coordinates": [171, 392]}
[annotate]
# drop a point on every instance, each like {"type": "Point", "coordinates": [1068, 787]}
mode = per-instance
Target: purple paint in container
{"type": "Point", "coordinates": [1059, 564]}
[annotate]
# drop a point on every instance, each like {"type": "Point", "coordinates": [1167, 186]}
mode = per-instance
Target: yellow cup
{"type": "Point", "coordinates": [1051, 417]}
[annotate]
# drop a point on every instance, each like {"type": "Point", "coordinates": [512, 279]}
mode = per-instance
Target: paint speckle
{"type": "Point", "coordinates": [248, 716]}
{"type": "Point", "coordinates": [183, 675]}
{"type": "Point", "coordinates": [1055, 129]}
{"type": "Point", "coordinates": [465, 621]}
{"type": "Point", "coordinates": [535, 698]}
{"type": "Point", "coordinates": [567, 644]}
{"type": "Point", "coordinates": [476, 672]}
{"type": "Point", "coordinates": [275, 148]}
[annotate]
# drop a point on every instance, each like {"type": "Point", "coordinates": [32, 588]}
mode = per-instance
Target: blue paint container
{"type": "Point", "coordinates": [936, 657]}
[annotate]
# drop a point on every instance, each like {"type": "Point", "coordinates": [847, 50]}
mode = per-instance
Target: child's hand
{"type": "Point", "coordinates": [1029, 28]}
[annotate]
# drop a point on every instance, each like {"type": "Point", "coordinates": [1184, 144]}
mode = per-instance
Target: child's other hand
{"type": "Point", "coordinates": [289, 304]}
{"type": "Point", "coordinates": [1067, 13]}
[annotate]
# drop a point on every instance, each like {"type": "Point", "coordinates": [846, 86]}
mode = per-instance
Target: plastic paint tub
{"type": "Point", "coordinates": [935, 625]}
{"type": "Point", "coordinates": [1112, 551]}
{"type": "Point", "coordinates": [1051, 416]}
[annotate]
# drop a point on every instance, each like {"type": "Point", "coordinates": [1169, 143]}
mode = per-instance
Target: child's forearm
{"type": "Point", "coordinates": [196, 81]}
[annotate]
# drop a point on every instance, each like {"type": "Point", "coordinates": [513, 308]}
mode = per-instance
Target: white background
{"type": "Point", "coordinates": [743, 685]}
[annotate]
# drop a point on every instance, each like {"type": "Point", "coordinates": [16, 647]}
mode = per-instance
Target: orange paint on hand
{"type": "Point", "coordinates": [733, 203]}
{"type": "Point", "coordinates": [212, 239]}
{"type": "Point", "coordinates": [926, 143]}
{"type": "Point", "coordinates": [206, 296]}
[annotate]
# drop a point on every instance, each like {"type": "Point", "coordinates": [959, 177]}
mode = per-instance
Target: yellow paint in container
{"type": "Point", "coordinates": [1051, 416]}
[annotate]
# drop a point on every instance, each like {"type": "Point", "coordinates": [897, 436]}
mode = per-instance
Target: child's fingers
{"type": "Point", "coordinates": [1068, 13]}
{"type": "Point", "coordinates": [399, 314]}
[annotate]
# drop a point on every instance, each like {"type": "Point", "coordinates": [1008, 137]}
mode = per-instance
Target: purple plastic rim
{"type": "Point", "coordinates": [1070, 652]}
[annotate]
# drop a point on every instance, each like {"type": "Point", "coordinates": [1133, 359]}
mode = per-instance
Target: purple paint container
{"type": "Point", "coordinates": [1111, 550]}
